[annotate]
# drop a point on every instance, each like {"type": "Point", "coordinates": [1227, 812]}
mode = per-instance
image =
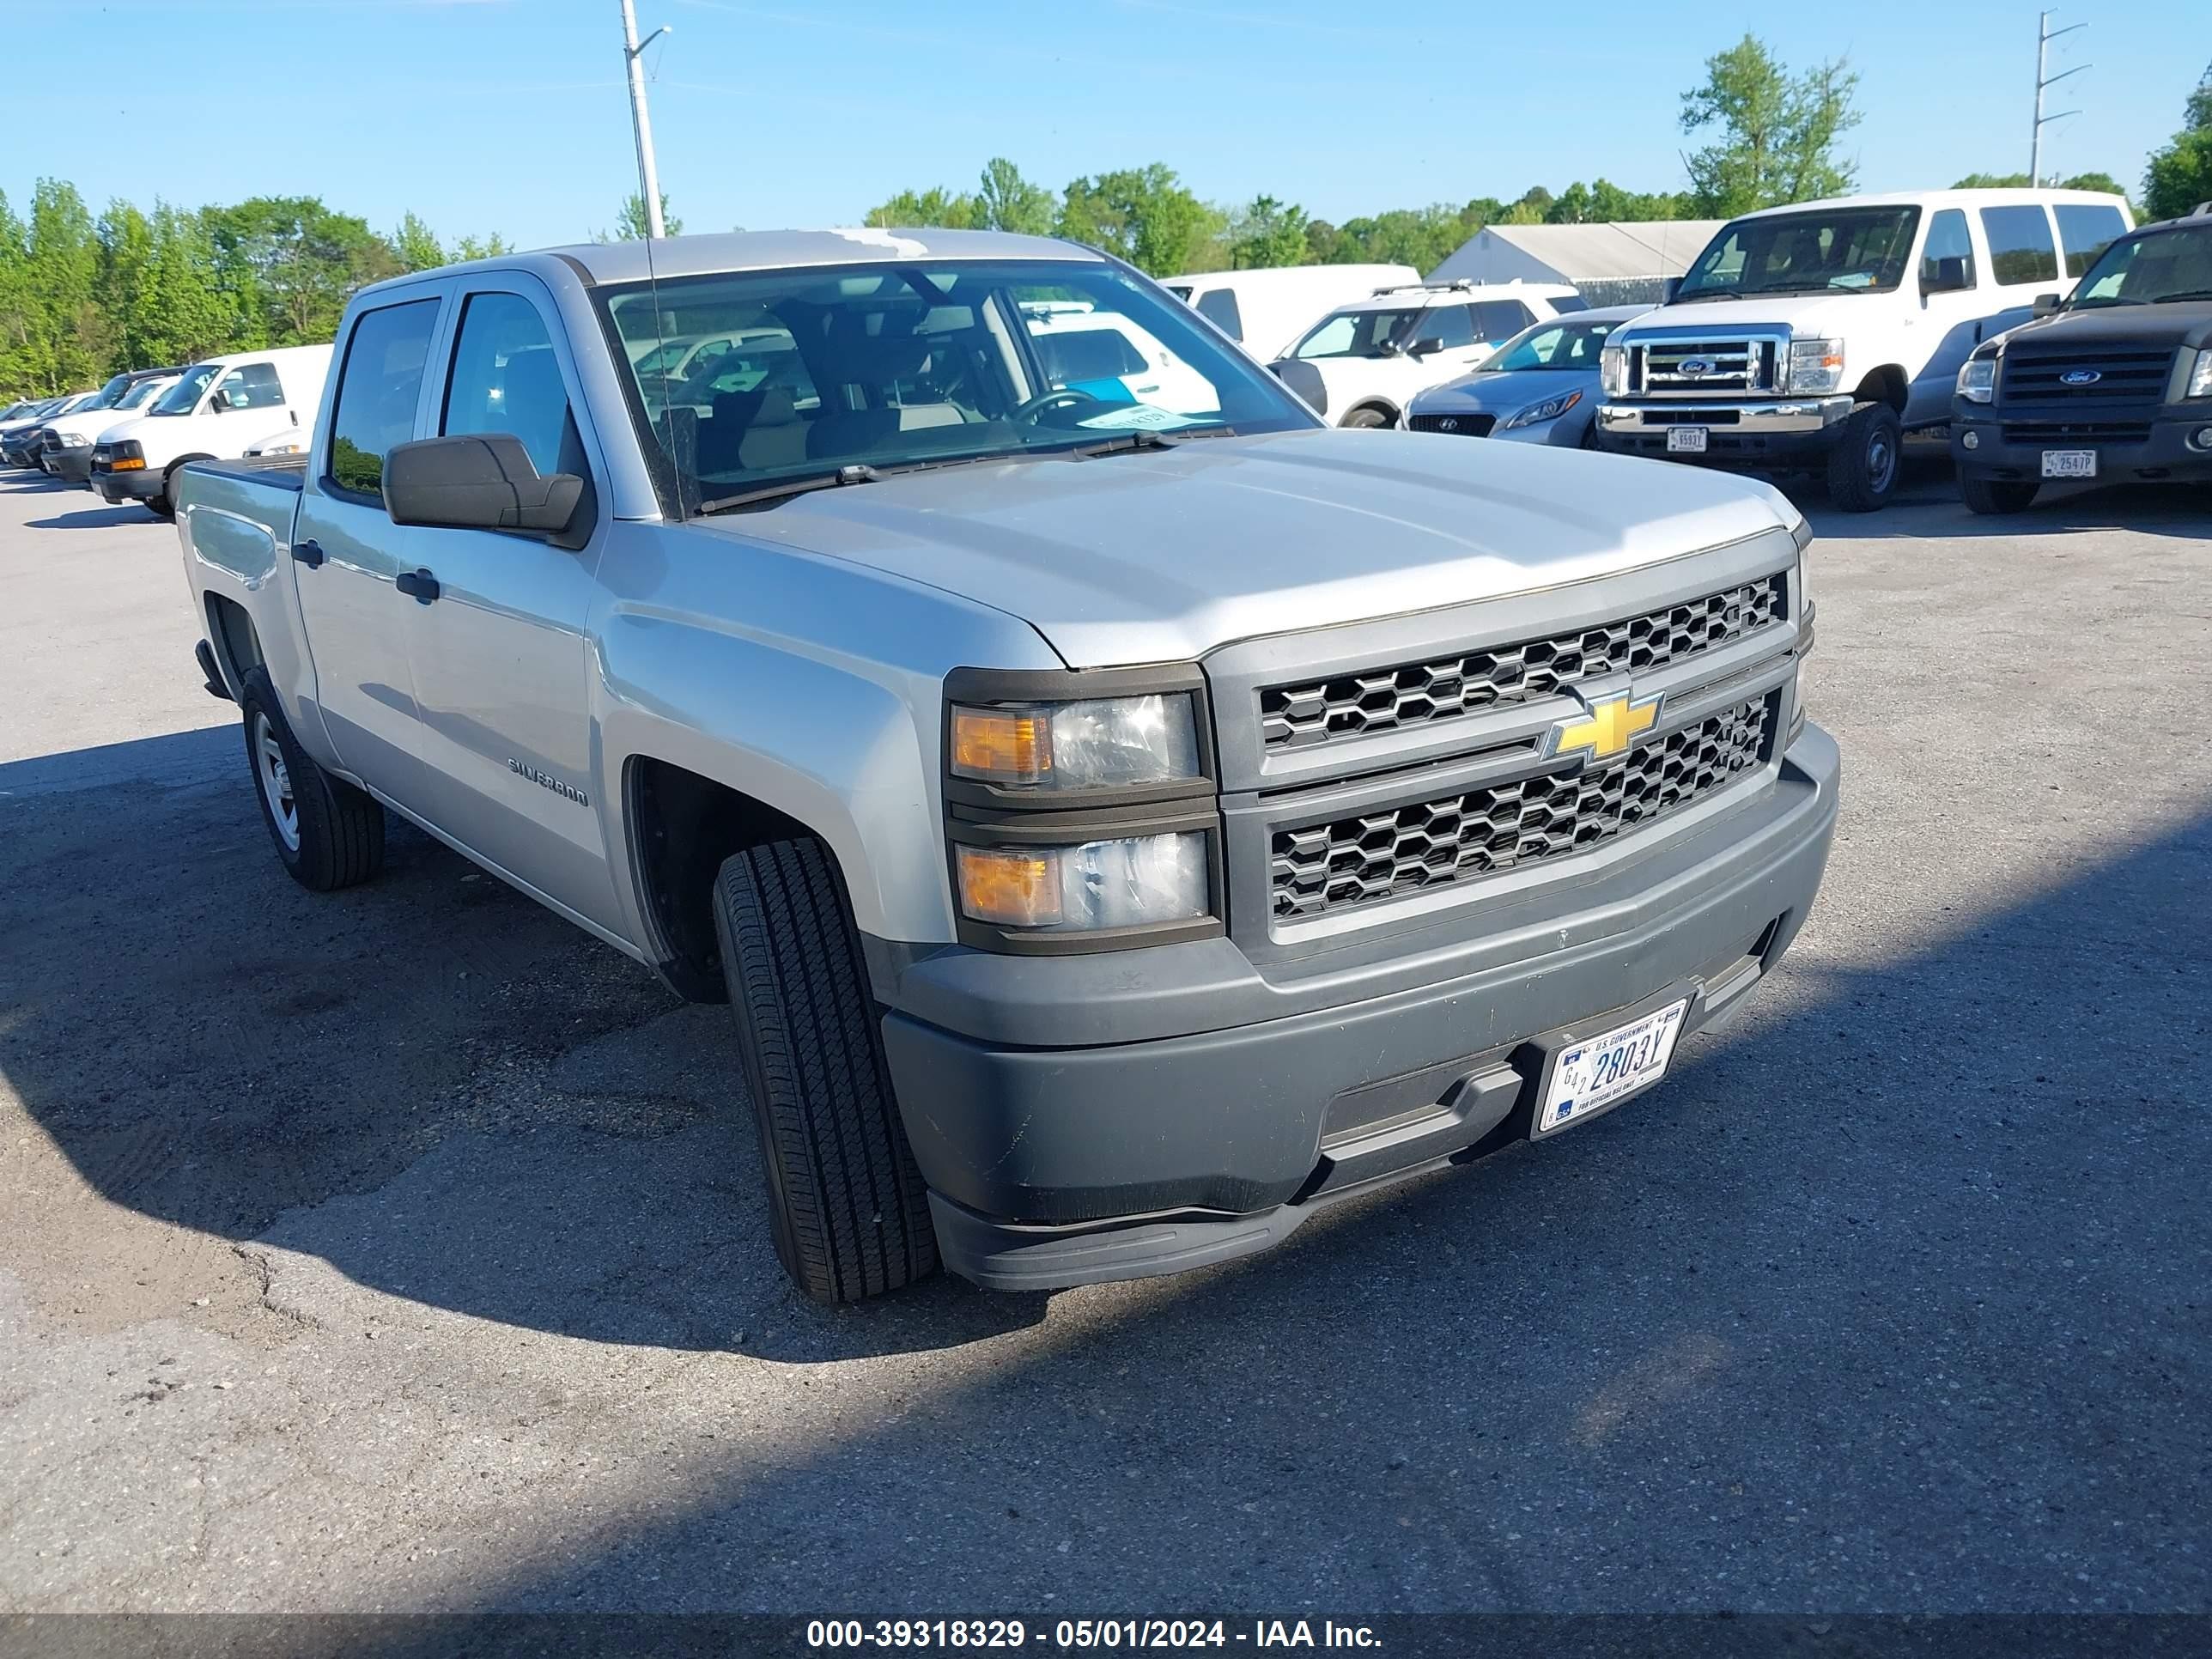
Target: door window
{"type": "Point", "coordinates": [2020, 248]}
{"type": "Point", "coordinates": [252, 386]}
{"type": "Point", "coordinates": [378, 391]}
{"type": "Point", "coordinates": [2087, 229]}
{"type": "Point", "coordinates": [1501, 319]}
{"type": "Point", "coordinates": [1948, 239]}
{"type": "Point", "coordinates": [506, 379]}
{"type": "Point", "coordinates": [1218, 307]}
{"type": "Point", "coordinates": [1445, 328]}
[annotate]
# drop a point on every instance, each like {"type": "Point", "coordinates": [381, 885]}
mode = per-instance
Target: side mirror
{"type": "Point", "coordinates": [483, 481]}
{"type": "Point", "coordinates": [219, 403]}
{"type": "Point", "coordinates": [1949, 277]}
{"type": "Point", "coordinates": [2046, 304]}
{"type": "Point", "coordinates": [1667, 294]}
{"type": "Point", "coordinates": [1428, 348]}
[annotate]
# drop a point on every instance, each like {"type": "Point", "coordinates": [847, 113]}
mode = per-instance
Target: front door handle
{"type": "Point", "coordinates": [308, 553]}
{"type": "Point", "coordinates": [420, 585]}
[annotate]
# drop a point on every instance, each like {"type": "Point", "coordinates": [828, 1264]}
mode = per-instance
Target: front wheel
{"type": "Point", "coordinates": [1863, 465]}
{"type": "Point", "coordinates": [1996, 495]}
{"type": "Point", "coordinates": [846, 1206]}
{"type": "Point", "coordinates": [328, 833]}
{"type": "Point", "coordinates": [1367, 419]}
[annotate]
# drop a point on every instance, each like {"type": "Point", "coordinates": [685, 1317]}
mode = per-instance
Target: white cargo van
{"type": "Point", "coordinates": [215, 410]}
{"type": "Point", "coordinates": [1265, 312]}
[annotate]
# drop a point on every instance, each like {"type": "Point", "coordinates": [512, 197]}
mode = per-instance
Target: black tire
{"type": "Point", "coordinates": [1862, 467]}
{"type": "Point", "coordinates": [1367, 419]}
{"type": "Point", "coordinates": [334, 834]}
{"type": "Point", "coordinates": [847, 1206]}
{"type": "Point", "coordinates": [1996, 495]}
{"type": "Point", "coordinates": [159, 507]}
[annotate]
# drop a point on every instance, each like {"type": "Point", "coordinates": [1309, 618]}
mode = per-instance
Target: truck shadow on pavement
{"type": "Point", "coordinates": [91, 518]}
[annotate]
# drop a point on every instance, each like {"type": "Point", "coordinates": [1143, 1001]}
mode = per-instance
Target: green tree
{"type": "Point", "coordinates": [482, 247]}
{"type": "Point", "coordinates": [123, 289]}
{"type": "Point", "coordinates": [1007, 201]}
{"type": "Point", "coordinates": [1777, 132]}
{"type": "Point", "coordinates": [65, 343]}
{"type": "Point", "coordinates": [1267, 233]}
{"type": "Point", "coordinates": [933, 208]}
{"type": "Point", "coordinates": [1143, 214]}
{"type": "Point", "coordinates": [1602, 202]}
{"type": "Point", "coordinates": [296, 262]}
{"type": "Point", "coordinates": [630, 224]}
{"type": "Point", "coordinates": [415, 245]}
{"type": "Point", "coordinates": [2179, 176]}
{"type": "Point", "coordinates": [188, 316]}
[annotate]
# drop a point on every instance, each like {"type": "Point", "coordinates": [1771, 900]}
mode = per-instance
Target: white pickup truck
{"type": "Point", "coordinates": [1814, 337]}
{"type": "Point", "coordinates": [1124, 825]}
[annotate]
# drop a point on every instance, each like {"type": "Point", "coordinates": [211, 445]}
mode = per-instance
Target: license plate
{"type": "Point", "coordinates": [1592, 1075]}
{"type": "Point", "coordinates": [2070, 463]}
{"type": "Point", "coordinates": [1685, 441]}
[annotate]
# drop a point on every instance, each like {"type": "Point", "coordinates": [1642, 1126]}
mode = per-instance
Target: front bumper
{"type": "Point", "coordinates": [141, 484]}
{"type": "Point", "coordinates": [1101, 1117]}
{"type": "Point", "coordinates": [1752, 433]}
{"type": "Point", "coordinates": [73, 465]}
{"type": "Point", "coordinates": [2009, 445]}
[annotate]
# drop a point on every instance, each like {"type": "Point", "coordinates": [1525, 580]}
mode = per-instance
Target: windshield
{"type": "Point", "coordinates": [1553, 345]}
{"type": "Point", "coordinates": [1845, 250]}
{"type": "Point", "coordinates": [825, 369]}
{"type": "Point", "coordinates": [106, 396]}
{"type": "Point", "coordinates": [1363, 333]}
{"type": "Point", "coordinates": [2156, 269]}
{"type": "Point", "coordinates": [180, 398]}
{"type": "Point", "coordinates": [139, 393]}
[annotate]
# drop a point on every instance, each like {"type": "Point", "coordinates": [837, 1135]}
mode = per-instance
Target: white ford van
{"type": "Point", "coordinates": [214, 412]}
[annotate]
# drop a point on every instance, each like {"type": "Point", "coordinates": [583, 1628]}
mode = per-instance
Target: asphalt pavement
{"type": "Point", "coordinates": [404, 1248]}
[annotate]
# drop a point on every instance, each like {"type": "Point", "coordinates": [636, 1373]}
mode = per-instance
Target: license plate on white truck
{"type": "Point", "coordinates": [2070, 463]}
{"type": "Point", "coordinates": [1590, 1076]}
{"type": "Point", "coordinates": [1685, 441]}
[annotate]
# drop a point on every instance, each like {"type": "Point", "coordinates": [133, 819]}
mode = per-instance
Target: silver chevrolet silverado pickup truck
{"type": "Point", "coordinates": [1125, 814]}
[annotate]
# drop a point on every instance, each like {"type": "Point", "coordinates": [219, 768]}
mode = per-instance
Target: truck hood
{"type": "Point", "coordinates": [1161, 556]}
{"type": "Point", "coordinates": [2186, 322]}
{"type": "Point", "coordinates": [1814, 316]}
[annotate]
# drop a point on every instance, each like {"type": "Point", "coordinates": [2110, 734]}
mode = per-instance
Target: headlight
{"type": "Point", "coordinates": [129, 456]}
{"type": "Point", "coordinates": [290, 446]}
{"type": "Point", "coordinates": [72, 440]}
{"type": "Point", "coordinates": [1613, 370]}
{"type": "Point", "coordinates": [1978, 379]}
{"type": "Point", "coordinates": [1814, 366]}
{"type": "Point", "coordinates": [1550, 410]}
{"type": "Point", "coordinates": [1103, 743]}
{"type": "Point", "coordinates": [1094, 885]}
{"type": "Point", "coordinates": [2200, 378]}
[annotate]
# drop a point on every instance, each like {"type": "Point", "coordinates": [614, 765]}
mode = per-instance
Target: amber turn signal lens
{"type": "Point", "coordinates": [1002, 745]}
{"type": "Point", "coordinates": [1010, 887]}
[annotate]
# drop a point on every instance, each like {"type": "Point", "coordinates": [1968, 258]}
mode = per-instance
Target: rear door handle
{"type": "Point", "coordinates": [308, 553]}
{"type": "Point", "coordinates": [420, 585]}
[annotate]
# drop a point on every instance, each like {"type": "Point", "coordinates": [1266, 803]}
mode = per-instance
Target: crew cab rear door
{"type": "Point", "coordinates": [348, 556]}
{"type": "Point", "coordinates": [498, 653]}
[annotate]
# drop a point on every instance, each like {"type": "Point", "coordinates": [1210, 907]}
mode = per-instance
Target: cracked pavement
{"type": "Point", "coordinates": [404, 1250]}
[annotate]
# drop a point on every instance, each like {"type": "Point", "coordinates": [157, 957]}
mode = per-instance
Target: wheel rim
{"type": "Point", "coordinates": [1880, 461]}
{"type": "Point", "coordinates": [275, 783]}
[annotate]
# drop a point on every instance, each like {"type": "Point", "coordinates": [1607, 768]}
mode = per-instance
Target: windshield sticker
{"type": "Point", "coordinates": [1143, 415]}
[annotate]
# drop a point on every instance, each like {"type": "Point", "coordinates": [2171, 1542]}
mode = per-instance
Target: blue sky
{"type": "Point", "coordinates": [509, 115]}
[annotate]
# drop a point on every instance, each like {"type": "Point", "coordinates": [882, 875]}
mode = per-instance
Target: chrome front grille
{"type": "Point", "coordinates": [1704, 368]}
{"type": "Point", "coordinates": [1409, 693]}
{"type": "Point", "coordinates": [1322, 869]}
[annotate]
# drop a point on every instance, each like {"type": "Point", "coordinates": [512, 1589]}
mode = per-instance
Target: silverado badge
{"type": "Point", "coordinates": [547, 780]}
{"type": "Point", "coordinates": [1611, 724]}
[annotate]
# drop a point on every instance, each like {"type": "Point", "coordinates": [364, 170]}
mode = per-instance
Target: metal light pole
{"type": "Point", "coordinates": [648, 176]}
{"type": "Point", "coordinates": [2045, 34]}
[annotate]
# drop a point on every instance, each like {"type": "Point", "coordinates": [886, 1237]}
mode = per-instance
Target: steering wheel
{"type": "Point", "coordinates": [1065, 396]}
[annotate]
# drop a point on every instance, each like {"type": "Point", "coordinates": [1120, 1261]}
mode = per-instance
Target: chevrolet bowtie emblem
{"type": "Point", "coordinates": [1611, 725]}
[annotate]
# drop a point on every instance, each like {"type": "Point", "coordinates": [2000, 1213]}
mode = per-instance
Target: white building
{"type": "Point", "coordinates": [1611, 264]}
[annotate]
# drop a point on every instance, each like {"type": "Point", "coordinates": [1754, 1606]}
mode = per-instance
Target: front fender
{"type": "Point", "coordinates": [810, 685]}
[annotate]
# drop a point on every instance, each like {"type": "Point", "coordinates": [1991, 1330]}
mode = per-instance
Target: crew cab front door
{"type": "Point", "coordinates": [497, 642]}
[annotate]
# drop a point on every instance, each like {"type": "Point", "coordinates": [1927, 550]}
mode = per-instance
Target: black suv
{"type": "Point", "coordinates": [2116, 383]}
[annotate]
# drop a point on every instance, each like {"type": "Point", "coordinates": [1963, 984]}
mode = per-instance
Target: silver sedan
{"type": "Point", "coordinates": [1540, 387]}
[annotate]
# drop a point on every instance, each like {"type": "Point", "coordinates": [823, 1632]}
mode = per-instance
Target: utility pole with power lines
{"type": "Point", "coordinates": [648, 175]}
{"type": "Point", "coordinates": [2045, 34]}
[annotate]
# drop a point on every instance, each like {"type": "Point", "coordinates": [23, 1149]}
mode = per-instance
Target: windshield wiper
{"type": "Point", "coordinates": [859, 473]}
{"type": "Point", "coordinates": [1142, 438]}
{"type": "Point", "coordinates": [2186, 294]}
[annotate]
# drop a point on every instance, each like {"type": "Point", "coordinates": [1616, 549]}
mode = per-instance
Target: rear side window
{"type": "Point", "coordinates": [1499, 319]}
{"type": "Point", "coordinates": [506, 379]}
{"type": "Point", "coordinates": [1564, 303]}
{"type": "Point", "coordinates": [1948, 239]}
{"type": "Point", "coordinates": [2087, 230]}
{"type": "Point", "coordinates": [378, 390]}
{"type": "Point", "coordinates": [2020, 248]}
{"type": "Point", "coordinates": [1218, 307]}
{"type": "Point", "coordinates": [252, 386]}
{"type": "Point", "coordinates": [1446, 327]}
